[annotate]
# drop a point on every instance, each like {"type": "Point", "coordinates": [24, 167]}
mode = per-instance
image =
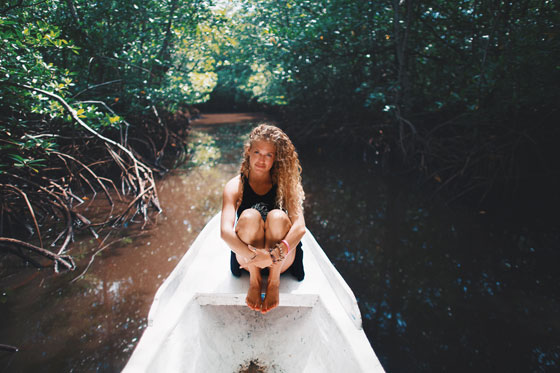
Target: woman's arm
{"type": "Point", "coordinates": [297, 230]}
{"type": "Point", "coordinates": [227, 224]}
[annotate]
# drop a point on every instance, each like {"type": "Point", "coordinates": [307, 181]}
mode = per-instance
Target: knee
{"type": "Point", "coordinates": [250, 221]}
{"type": "Point", "coordinates": [277, 215]}
{"type": "Point", "coordinates": [278, 221]}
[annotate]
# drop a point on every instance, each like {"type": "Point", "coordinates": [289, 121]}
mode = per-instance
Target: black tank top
{"type": "Point", "coordinates": [261, 203]}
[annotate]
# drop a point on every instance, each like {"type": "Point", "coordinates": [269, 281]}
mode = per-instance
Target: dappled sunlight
{"type": "Point", "coordinates": [201, 85]}
{"type": "Point", "coordinates": [203, 151]}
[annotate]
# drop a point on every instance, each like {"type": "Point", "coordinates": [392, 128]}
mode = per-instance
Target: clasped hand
{"type": "Point", "coordinates": [261, 260]}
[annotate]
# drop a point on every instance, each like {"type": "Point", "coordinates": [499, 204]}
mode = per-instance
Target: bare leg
{"type": "Point", "coordinates": [253, 298]}
{"type": "Point", "coordinates": [277, 226]}
{"type": "Point", "coordinates": [250, 229]}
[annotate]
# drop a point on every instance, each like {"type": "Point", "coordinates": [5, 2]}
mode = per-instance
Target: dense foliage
{"type": "Point", "coordinates": [463, 91]}
{"type": "Point", "coordinates": [92, 95]}
{"type": "Point", "coordinates": [466, 91]}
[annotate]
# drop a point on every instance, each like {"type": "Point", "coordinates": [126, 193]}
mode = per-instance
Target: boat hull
{"type": "Point", "coordinates": [199, 321]}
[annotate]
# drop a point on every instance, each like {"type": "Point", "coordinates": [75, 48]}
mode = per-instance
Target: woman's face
{"type": "Point", "coordinates": [261, 156]}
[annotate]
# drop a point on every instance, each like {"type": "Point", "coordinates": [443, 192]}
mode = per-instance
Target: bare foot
{"type": "Point", "coordinates": [253, 299]}
{"type": "Point", "coordinates": [272, 297]}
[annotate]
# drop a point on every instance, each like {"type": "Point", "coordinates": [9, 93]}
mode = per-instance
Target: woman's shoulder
{"type": "Point", "coordinates": [233, 185]}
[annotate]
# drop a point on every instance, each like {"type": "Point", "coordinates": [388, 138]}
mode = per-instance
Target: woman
{"type": "Point", "coordinates": [267, 200]}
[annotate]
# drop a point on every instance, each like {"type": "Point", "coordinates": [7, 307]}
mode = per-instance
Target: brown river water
{"type": "Point", "coordinates": [439, 289]}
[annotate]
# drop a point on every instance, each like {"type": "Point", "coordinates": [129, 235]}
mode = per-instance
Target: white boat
{"type": "Point", "coordinates": [199, 322]}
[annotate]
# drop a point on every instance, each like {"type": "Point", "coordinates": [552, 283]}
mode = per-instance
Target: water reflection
{"type": "Point", "coordinates": [439, 290]}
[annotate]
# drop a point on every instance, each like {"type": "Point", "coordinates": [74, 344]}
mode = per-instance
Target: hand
{"type": "Point", "coordinates": [261, 260]}
{"type": "Point", "coordinates": [277, 253]}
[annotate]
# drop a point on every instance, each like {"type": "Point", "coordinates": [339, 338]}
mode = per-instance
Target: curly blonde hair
{"type": "Point", "coordinates": [286, 170]}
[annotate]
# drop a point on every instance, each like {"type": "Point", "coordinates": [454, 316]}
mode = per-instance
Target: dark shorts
{"type": "Point", "coordinates": [296, 269]}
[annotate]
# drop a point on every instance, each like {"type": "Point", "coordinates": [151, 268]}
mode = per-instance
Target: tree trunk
{"type": "Point", "coordinates": [402, 95]}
